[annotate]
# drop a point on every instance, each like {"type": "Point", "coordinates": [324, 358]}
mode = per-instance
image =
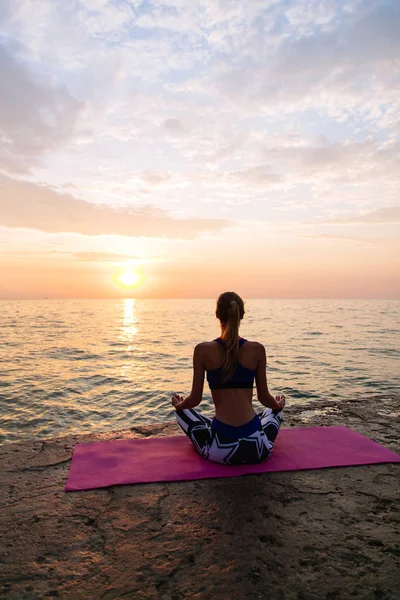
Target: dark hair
{"type": "Point", "coordinates": [230, 311]}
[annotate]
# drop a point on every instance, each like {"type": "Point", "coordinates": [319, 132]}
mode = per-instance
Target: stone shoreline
{"type": "Point", "coordinates": [310, 535]}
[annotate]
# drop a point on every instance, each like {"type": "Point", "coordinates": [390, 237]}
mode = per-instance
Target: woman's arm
{"type": "Point", "coordinates": [263, 394]}
{"type": "Point", "coordinates": [196, 394]}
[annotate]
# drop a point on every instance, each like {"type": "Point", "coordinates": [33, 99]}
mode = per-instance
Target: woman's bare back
{"type": "Point", "coordinates": [233, 406]}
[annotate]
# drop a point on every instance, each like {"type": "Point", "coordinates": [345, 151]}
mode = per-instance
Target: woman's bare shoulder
{"type": "Point", "coordinates": [255, 349]}
{"type": "Point", "coordinates": [204, 346]}
{"type": "Point", "coordinates": [254, 345]}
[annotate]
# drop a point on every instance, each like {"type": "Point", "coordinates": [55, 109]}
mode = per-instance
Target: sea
{"type": "Point", "coordinates": [80, 366]}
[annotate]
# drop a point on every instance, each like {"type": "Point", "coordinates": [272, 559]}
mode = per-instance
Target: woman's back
{"type": "Point", "coordinates": [233, 403]}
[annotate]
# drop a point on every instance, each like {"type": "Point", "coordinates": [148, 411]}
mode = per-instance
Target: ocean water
{"type": "Point", "coordinates": [69, 366]}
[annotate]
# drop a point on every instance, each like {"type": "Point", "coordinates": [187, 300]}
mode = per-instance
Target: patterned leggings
{"type": "Point", "coordinates": [229, 449]}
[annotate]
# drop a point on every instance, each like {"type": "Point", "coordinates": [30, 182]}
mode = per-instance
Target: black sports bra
{"type": "Point", "coordinates": [241, 378]}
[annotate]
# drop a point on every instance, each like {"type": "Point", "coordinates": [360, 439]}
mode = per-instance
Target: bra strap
{"type": "Point", "coordinates": [241, 341]}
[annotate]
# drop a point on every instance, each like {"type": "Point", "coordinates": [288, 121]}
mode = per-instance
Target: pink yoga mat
{"type": "Point", "coordinates": [119, 462]}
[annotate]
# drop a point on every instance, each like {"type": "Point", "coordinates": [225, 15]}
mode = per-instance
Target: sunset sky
{"type": "Point", "coordinates": [210, 145]}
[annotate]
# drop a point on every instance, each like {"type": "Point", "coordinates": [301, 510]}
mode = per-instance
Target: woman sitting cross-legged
{"type": "Point", "coordinates": [236, 435]}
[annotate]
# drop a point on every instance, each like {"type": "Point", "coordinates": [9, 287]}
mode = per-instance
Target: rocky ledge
{"type": "Point", "coordinates": [326, 534]}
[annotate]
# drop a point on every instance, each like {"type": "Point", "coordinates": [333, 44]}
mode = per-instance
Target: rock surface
{"type": "Point", "coordinates": [327, 534]}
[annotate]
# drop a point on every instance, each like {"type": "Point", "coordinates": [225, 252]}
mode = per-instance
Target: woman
{"type": "Point", "coordinates": [236, 435]}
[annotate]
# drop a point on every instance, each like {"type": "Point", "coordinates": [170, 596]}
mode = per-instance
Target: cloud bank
{"type": "Point", "coordinates": [390, 214]}
{"type": "Point", "coordinates": [24, 204]}
{"type": "Point", "coordinates": [35, 117]}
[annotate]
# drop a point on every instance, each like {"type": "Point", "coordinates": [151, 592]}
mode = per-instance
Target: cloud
{"type": "Point", "coordinates": [379, 216]}
{"type": "Point", "coordinates": [343, 239]}
{"type": "Point", "coordinates": [36, 116]}
{"type": "Point", "coordinates": [79, 256]}
{"type": "Point", "coordinates": [24, 204]}
{"type": "Point", "coordinates": [108, 257]}
{"type": "Point", "coordinates": [348, 161]}
{"type": "Point", "coordinates": [256, 176]}
{"type": "Point", "coordinates": [343, 66]}
{"type": "Point", "coordinates": [354, 172]}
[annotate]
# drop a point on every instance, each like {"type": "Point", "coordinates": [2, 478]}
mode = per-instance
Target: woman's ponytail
{"type": "Point", "coordinates": [230, 311]}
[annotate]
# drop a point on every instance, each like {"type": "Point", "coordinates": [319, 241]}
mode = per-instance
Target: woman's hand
{"type": "Point", "coordinates": [281, 401]}
{"type": "Point", "coordinates": [176, 400]}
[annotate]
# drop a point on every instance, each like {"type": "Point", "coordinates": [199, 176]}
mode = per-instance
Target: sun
{"type": "Point", "coordinates": [128, 277]}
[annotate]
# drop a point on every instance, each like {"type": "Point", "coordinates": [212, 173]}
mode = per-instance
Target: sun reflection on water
{"type": "Point", "coordinates": [127, 335]}
{"type": "Point", "coordinates": [129, 329]}
{"type": "Point", "coordinates": [133, 365]}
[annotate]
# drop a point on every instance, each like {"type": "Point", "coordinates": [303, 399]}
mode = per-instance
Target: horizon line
{"type": "Point", "coordinates": [197, 298]}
